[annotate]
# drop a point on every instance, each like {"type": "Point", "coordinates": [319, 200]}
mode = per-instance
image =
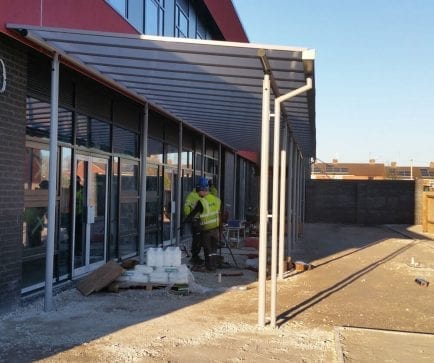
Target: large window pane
{"type": "Point", "coordinates": [38, 116]}
{"type": "Point", "coordinates": [36, 169]}
{"type": "Point", "coordinates": [129, 176]}
{"type": "Point", "coordinates": [154, 17]}
{"type": "Point", "coordinates": [172, 155]}
{"type": "Point", "coordinates": [99, 135]}
{"type": "Point", "coordinates": [155, 151]}
{"type": "Point", "coordinates": [125, 141]}
{"type": "Point", "coordinates": [35, 227]}
{"type": "Point", "coordinates": [128, 228]}
{"type": "Point", "coordinates": [93, 133]}
{"type": "Point", "coordinates": [119, 5]}
{"type": "Point", "coordinates": [65, 209]}
{"type": "Point", "coordinates": [135, 13]}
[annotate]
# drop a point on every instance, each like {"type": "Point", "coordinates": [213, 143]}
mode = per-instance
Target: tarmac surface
{"type": "Point", "coordinates": [360, 303]}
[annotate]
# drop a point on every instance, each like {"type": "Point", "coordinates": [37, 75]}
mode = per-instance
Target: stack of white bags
{"type": "Point", "coordinates": [163, 266]}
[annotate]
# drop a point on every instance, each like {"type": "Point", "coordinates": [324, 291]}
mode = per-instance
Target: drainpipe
{"type": "Point", "coordinates": [277, 103]}
{"type": "Point", "coordinates": [52, 182]}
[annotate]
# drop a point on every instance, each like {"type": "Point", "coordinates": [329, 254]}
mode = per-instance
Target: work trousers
{"type": "Point", "coordinates": [196, 243]}
{"type": "Point", "coordinates": [210, 240]}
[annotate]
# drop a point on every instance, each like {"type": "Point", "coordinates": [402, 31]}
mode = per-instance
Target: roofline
{"type": "Point", "coordinates": [309, 53]}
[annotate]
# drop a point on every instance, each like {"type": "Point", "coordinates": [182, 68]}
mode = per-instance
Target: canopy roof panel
{"type": "Point", "coordinates": [213, 86]}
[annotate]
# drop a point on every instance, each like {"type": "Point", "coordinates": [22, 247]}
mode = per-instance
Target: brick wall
{"type": "Point", "coordinates": [12, 147]}
{"type": "Point", "coordinates": [360, 202]}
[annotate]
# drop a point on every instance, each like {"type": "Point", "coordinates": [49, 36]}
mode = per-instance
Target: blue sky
{"type": "Point", "coordinates": [374, 72]}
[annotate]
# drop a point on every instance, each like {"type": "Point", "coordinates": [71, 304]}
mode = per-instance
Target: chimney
{"type": "Point", "coordinates": [393, 164]}
{"type": "Point", "coordinates": [371, 161]}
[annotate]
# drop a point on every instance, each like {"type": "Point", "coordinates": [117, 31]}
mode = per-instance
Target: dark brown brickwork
{"type": "Point", "coordinates": [12, 148]}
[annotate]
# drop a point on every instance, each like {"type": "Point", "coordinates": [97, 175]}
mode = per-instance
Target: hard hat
{"type": "Point", "coordinates": [202, 183]}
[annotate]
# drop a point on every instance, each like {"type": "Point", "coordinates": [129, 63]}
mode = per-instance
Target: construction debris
{"type": "Point", "coordinates": [100, 278]}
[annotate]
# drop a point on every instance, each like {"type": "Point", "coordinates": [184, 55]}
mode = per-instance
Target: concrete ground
{"type": "Point", "coordinates": [360, 303]}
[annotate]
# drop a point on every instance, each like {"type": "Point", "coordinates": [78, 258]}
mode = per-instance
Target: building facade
{"type": "Point", "coordinates": [122, 162]}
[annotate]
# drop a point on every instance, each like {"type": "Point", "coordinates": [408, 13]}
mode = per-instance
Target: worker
{"type": "Point", "coordinates": [212, 188]}
{"type": "Point", "coordinates": [196, 244]}
{"type": "Point", "coordinates": [208, 209]}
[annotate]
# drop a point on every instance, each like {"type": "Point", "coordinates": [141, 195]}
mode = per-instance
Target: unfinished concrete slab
{"type": "Point", "coordinates": [363, 277]}
{"type": "Point", "coordinates": [373, 345]}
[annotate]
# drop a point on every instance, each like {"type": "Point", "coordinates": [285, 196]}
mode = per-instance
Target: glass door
{"type": "Point", "coordinates": [169, 206]}
{"type": "Point", "coordinates": [90, 213]}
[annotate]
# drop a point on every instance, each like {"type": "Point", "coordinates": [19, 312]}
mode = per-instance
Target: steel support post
{"type": "Point", "coordinates": [143, 166]}
{"type": "Point", "coordinates": [282, 209]}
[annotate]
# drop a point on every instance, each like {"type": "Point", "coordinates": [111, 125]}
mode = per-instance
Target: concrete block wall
{"type": "Point", "coordinates": [367, 202]}
{"type": "Point", "coordinates": [12, 149]}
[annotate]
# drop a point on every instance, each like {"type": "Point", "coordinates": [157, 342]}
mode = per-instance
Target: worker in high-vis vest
{"type": "Point", "coordinates": [208, 209]}
{"type": "Point", "coordinates": [196, 243]}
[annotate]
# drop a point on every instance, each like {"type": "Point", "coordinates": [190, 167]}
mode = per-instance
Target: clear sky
{"type": "Point", "coordinates": [374, 72]}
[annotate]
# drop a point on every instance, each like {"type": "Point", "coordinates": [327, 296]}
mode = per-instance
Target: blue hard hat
{"type": "Point", "coordinates": [202, 183]}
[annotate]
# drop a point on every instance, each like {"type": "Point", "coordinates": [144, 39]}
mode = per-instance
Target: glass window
{"type": "Point", "coordinates": [36, 169]}
{"type": "Point", "coordinates": [99, 135]}
{"type": "Point", "coordinates": [65, 207]}
{"type": "Point", "coordinates": [128, 228]}
{"type": "Point", "coordinates": [38, 116]}
{"type": "Point", "coordinates": [154, 19]}
{"type": "Point", "coordinates": [172, 155]}
{"type": "Point", "coordinates": [35, 226]}
{"type": "Point", "coordinates": [114, 210]}
{"type": "Point", "coordinates": [65, 125]}
{"type": "Point", "coordinates": [155, 151]}
{"type": "Point", "coordinates": [129, 176]}
{"type": "Point", "coordinates": [152, 196]}
{"type": "Point", "coordinates": [125, 142]}
{"type": "Point", "coordinates": [93, 133]}
{"type": "Point", "coordinates": [135, 13]}
{"type": "Point", "coordinates": [200, 30]}
{"type": "Point", "coordinates": [181, 22]}
{"type": "Point", "coordinates": [119, 5]}
{"type": "Point", "coordinates": [186, 159]}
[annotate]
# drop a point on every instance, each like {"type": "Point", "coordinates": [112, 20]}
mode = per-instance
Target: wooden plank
{"type": "Point", "coordinates": [100, 278]}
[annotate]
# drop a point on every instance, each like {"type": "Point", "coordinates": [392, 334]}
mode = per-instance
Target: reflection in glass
{"type": "Point", "coordinates": [80, 210]}
{"type": "Point", "coordinates": [93, 133]}
{"type": "Point", "coordinates": [65, 209]}
{"type": "Point", "coordinates": [36, 169]}
{"type": "Point", "coordinates": [135, 14]}
{"type": "Point", "coordinates": [152, 196]}
{"type": "Point", "coordinates": [119, 5]}
{"type": "Point", "coordinates": [129, 176]}
{"type": "Point", "coordinates": [125, 141]}
{"type": "Point", "coordinates": [154, 17]}
{"type": "Point", "coordinates": [128, 228]}
{"type": "Point", "coordinates": [38, 116]}
{"type": "Point", "coordinates": [97, 209]}
{"type": "Point", "coordinates": [35, 227]}
{"type": "Point", "coordinates": [172, 155]}
{"type": "Point", "coordinates": [155, 151]}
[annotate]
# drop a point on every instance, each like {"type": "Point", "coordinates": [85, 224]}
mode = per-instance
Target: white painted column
{"type": "Point", "coordinates": [263, 200]}
{"type": "Point", "coordinates": [52, 183]}
{"type": "Point", "coordinates": [282, 209]}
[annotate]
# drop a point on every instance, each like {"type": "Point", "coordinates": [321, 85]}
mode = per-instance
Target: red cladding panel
{"type": "Point", "coordinates": [74, 14]}
{"type": "Point", "coordinates": [226, 18]}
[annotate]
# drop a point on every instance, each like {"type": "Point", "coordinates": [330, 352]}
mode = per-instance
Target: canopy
{"type": "Point", "coordinates": [214, 86]}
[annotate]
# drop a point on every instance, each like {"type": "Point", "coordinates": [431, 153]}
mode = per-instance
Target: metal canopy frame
{"type": "Point", "coordinates": [213, 86]}
{"type": "Point", "coordinates": [221, 88]}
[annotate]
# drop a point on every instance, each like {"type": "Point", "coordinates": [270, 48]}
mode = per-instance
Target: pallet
{"type": "Point", "coordinates": [182, 289]}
